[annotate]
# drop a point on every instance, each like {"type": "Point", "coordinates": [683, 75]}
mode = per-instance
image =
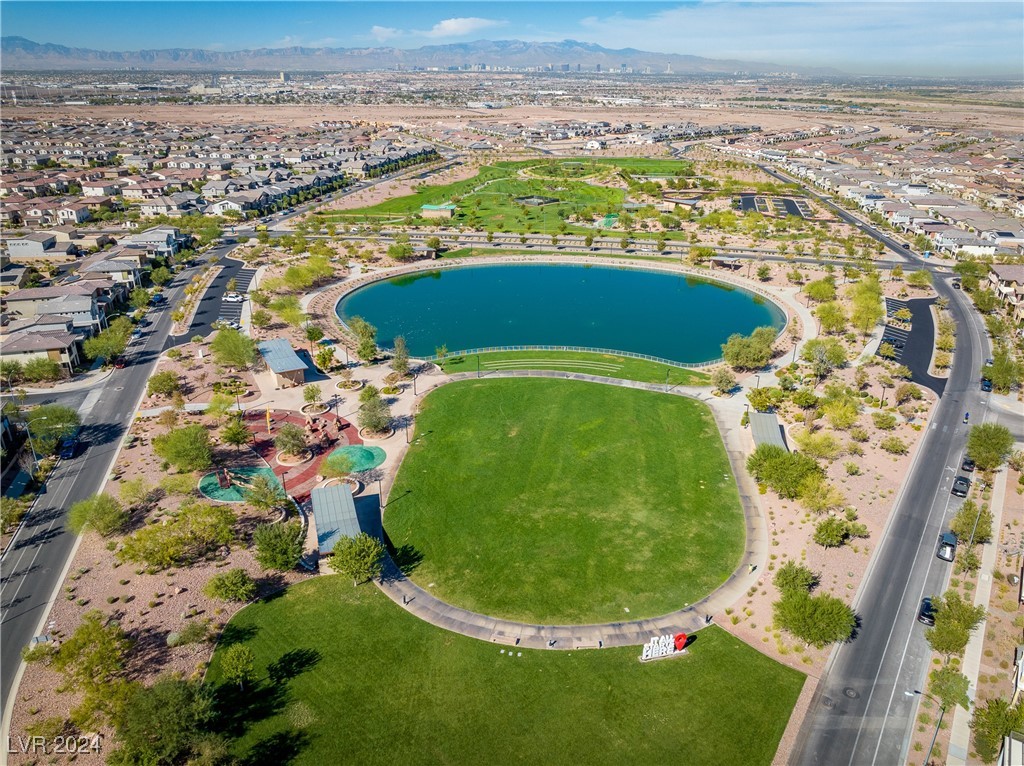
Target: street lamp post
{"type": "Point", "coordinates": [757, 379]}
{"type": "Point", "coordinates": [938, 724]}
{"type": "Point", "coordinates": [31, 446]}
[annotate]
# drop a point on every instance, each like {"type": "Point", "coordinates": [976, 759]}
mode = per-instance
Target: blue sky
{"type": "Point", "coordinates": [926, 37]}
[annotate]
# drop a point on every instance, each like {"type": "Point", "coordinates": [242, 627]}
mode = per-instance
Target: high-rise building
{"type": "Point", "coordinates": [284, 77]}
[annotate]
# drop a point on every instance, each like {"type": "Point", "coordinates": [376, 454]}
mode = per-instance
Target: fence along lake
{"type": "Point", "coordinates": [677, 317]}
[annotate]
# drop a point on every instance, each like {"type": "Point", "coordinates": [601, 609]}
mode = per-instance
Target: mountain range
{"type": "Point", "coordinates": [18, 53]}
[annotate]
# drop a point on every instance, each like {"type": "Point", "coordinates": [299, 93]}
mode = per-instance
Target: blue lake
{"type": "Point", "coordinates": [684, 319]}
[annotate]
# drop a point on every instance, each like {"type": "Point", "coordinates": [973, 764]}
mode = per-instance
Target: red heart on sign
{"type": "Point", "coordinates": [680, 641]}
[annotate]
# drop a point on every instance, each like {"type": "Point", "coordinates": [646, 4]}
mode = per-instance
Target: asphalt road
{"type": "Point", "coordinates": [211, 305]}
{"type": "Point", "coordinates": [864, 709]}
{"type": "Point", "coordinates": [889, 242]}
{"type": "Point", "coordinates": [32, 567]}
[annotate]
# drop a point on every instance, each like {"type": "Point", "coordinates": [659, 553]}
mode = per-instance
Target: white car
{"type": "Point", "coordinates": [233, 298]}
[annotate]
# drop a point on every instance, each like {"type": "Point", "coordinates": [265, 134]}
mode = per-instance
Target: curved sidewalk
{"type": "Point", "coordinates": [690, 618]}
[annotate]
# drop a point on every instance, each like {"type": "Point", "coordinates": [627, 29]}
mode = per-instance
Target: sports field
{"type": "Point", "coordinates": [555, 501]}
{"type": "Point", "coordinates": [347, 676]}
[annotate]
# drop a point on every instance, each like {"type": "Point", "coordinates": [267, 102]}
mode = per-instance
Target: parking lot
{"type": "Point", "coordinates": [233, 311]}
{"type": "Point", "coordinates": [775, 206]}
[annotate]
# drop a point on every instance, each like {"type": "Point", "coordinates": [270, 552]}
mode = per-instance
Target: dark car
{"type": "Point", "coordinates": [68, 448]}
{"type": "Point", "coordinates": [956, 285]}
{"type": "Point", "coordinates": [961, 486]}
{"type": "Point", "coordinates": [986, 385]}
{"type": "Point", "coordinates": [926, 613]}
{"type": "Point", "coordinates": [120, 363]}
{"type": "Point", "coordinates": [967, 465]}
{"type": "Point", "coordinates": [947, 546]}
{"type": "Point", "coordinates": [894, 342]}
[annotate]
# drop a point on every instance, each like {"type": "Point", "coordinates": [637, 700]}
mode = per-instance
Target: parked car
{"type": "Point", "coordinates": [947, 546]}
{"type": "Point", "coordinates": [68, 448]}
{"type": "Point", "coordinates": [221, 323]}
{"type": "Point", "coordinates": [967, 464]}
{"type": "Point", "coordinates": [961, 486]}
{"type": "Point", "coordinates": [234, 298]}
{"type": "Point", "coordinates": [895, 343]}
{"type": "Point", "coordinates": [986, 385]}
{"type": "Point", "coordinates": [926, 613]}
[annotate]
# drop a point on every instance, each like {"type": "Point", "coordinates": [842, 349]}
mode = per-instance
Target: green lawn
{"type": "Point", "coordinates": [607, 365]}
{"type": "Point", "coordinates": [359, 680]}
{"type": "Point", "coordinates": [486, 201]}
{"type": "Point", "coordinates": [558, 501]}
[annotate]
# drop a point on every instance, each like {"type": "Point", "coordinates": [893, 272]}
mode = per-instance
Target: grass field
{"type": "Point", "coordinates": [487, 201]}
{"type": "Point", "coordinates": [356, 679]}
{"type": "Point", "coordinates": [607, 365]}
{"type": "Point", "coordinates": [557, 501]}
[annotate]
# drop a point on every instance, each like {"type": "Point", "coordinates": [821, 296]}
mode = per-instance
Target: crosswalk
{"type": "Point", "coordinates": [233, 311]}
{"type": "Point", "coordinates": [895, 335]}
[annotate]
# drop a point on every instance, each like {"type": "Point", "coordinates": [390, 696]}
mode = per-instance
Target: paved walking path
{"type": "Point", "coordinates": [960, 734]}
{"type": "Point", "coordinates": [690, 618]}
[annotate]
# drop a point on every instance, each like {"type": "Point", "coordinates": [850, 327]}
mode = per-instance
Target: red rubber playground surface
{"type": "Point", "coordinates": [324, 433]}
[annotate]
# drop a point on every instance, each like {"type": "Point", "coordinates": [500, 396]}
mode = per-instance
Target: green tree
{"type": "Point", "coordinates": [972, 520]}
{"type": "Point", "coordinates": [278, 546]}
{"type": "Point", "coordinates": [290, 439]}
{"type": "Point", "coordinates": [163, 383]}
{"type": "Point", "coordinates": [360, 557]}
{"type": "Point", "coordinates": [920, 279]}
{"type": "Point", "coordinates": [821, 291]}
{"type": "Point", "coordinates": [950, 686]}
{"type": "Point", "coordinates": [49, 423]}
{"type": "Point", "coordinates": [751, 352]}
{"type": "Point", "coordinates": [260, 319]}
{"type": "Point", "coordinates": [832, 318]}
{"type": "Point", "coordinates": [764, 272]}
{"type": "Point", "coordinates": [238, 665]}
{"type": "Point", "coordinates": [989, 444]}
{"type": "Point", "coordinates": [235, 433]}
{"type": "Point", "coordinates": [400, 356]}
{"type": "Point", "coordinates": [39, 368]}
{"type": "Point", "coordinates": [723, 380]}
{"type": "Point", "coordinates": [955, 618]}
{"type": "Point", "coordinates": [824, 355]}
{"type": "Point", "coordinates": [830, 532]}
{"type": "Point", "coordinates": [375, 416]}
{"type": "Point", "coordinates": [10, 372]}
{"type": "Point", "coordinates": [325, 358]}
{"type": "Point", "coordinates": [100, 512]}
{"type": "Point", "coordinates": [110, 343]}
{"type": "Point", "coordinates": [197, 530]}
{"type": "Point", "coordinates": [313, 334]}
{"type": "Point", "coordinates": [139, 298]}
{"type": "Point", "coordinates": [818, 620]}
{"type": "Point", "coordinates": [884, 421]}
{"type": "Point", "coordinates": [991, 723]}
{"type": "Point", "coordinates": [232, 585]}
{"type": "Point", "coordinates": [160, 276]}
{"type": "Point", "coordinates": [186, 448]}
{"type": "Point", "coordinates": [781, 470]}
{"type": "Point", "coordinates": [312, 393]}
{"type": "Point", "coordinates": [162, 725]}
{"type": "Point", "coordinates": [792, 577]}
{"type": "Point", "coordinates": [92, 661]}
{"type": "Point", "coordinates": [231, 348]}
{"type": "Point", "coordinates": [336, 466]}
{"type": "Point", "coordinates": [264, 493]}
{"type": "Point", "coordinates": [819, 496]}
{"type": "Point", "coordinates": [366, 338]}
{"type": "Point", "coordinates": [1004, 372]}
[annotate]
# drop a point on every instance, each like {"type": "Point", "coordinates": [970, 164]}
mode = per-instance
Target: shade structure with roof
{"type": "Point", "coordinates": [335, 515]}
{"type": "Point", "coordinates": [284, 364]}
{"type": "Point", "coordinates": [766, 430]}
{"type": "Point", "coordinates": [438, 211]}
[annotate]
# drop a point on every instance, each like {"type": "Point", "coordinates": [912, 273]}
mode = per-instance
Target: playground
{"type": "Point", "coordinates": [228, 485]}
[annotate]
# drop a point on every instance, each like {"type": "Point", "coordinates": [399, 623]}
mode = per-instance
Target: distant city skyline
{"type": "Point", "coordinates": [924, 38]}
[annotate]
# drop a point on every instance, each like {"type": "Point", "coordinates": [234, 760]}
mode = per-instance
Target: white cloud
{"type": "Point", "coordinates": [460, 27]}
{"type": "Point", "coordinates": [383, 34]}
